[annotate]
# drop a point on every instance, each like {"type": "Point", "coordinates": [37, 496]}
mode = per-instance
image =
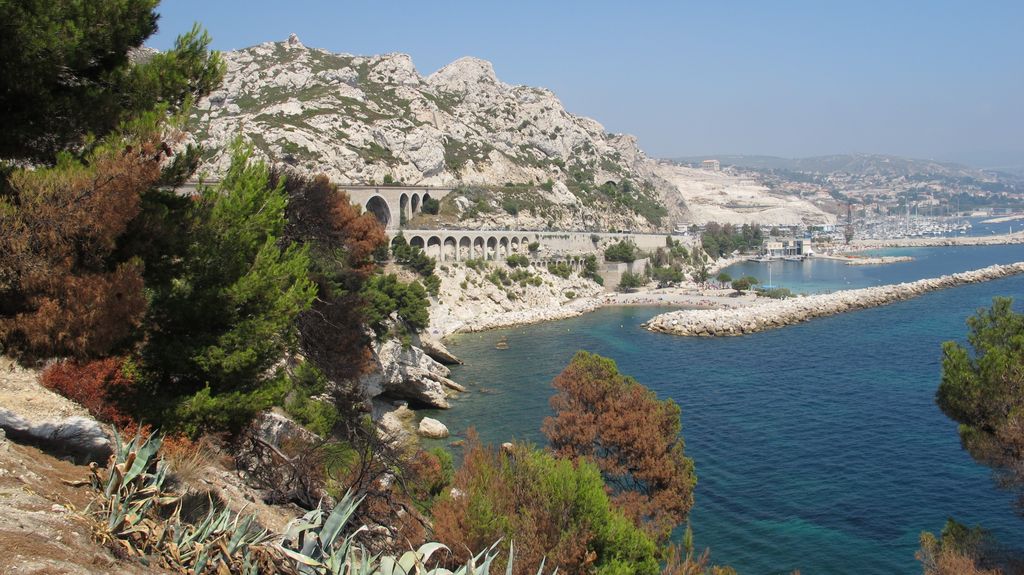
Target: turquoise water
{"type": "Point", "coordinates": [817, 446]}
{"type": "Point", "coordinates": [822, 275]}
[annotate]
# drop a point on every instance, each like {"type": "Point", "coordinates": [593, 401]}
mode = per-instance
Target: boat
{"type": "Point", "coordinates": [502, 343]}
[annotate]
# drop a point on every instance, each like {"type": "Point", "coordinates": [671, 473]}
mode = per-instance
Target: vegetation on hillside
{"type": "Point", "coordinates": [721, 240]}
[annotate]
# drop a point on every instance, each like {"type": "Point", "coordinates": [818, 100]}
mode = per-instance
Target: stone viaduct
{"type": "Point", "coordinates": [395, 205]}
{"type": "Point", "coordinates": [553, 247]}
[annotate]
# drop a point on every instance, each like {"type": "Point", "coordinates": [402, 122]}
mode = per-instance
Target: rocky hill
{"type": "Point", "coordinates": [519, 158]}
{"type": "Point", "coordinates": [856, 164]}
{"type": "Point", "coordinates": [377, 120]}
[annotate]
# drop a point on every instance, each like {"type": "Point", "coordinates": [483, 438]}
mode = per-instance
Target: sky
{"type": "Point", "coordinates": [938, 79]}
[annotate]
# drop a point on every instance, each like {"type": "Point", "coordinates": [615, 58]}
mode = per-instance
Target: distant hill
{"type": "Point", "coordinates": [855, 164]}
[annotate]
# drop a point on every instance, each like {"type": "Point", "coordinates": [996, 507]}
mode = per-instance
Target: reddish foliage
{"type": "Point", "coordinates": [97, 385]}
{"type": "Point", "coordinates": [84, 315]}
{"type": "Point", "coordinates": [321, 212]}
{"type": "Point", "coordinates": [60, 291]}
{"type": "Point", "coordinates": [424, 477]}
{"type": "Point", "coordinates": [499, 497]}
{"type": "Point", "coordinates": [321, 215]}
{"type": "Point", "coordinates": [632, 437]}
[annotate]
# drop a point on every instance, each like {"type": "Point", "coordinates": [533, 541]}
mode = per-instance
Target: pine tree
{"type": "Point", "coordinates": [66, 71]}
{"type": "Point", "coordinates": [230, 315]}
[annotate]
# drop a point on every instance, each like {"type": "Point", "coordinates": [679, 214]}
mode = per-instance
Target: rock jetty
{"type": "Point", "coordinates": [780, 313]}
{"type": "Point", "coordinates": [866, 244]}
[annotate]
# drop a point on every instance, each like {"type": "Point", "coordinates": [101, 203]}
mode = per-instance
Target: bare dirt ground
{"type": "Point", "coordinates": [21, 393]}
{"type": "Point", "coordinates": [42, 526]}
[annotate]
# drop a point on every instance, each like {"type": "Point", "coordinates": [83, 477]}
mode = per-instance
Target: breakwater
{"type": "Point", "coordinates": [780, 313]}
{"type": "Point", "coordinates": [866, 244]}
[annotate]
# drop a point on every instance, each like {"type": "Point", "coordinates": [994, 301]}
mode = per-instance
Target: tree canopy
{"type": "Point", "coordinates": [984, 390]}
{"type": "Point", "coordinates": [551, 509]}
{"type": "Point", "coordinates": [632, 437]}
{"type": "Point", "coordinates": [624, 251]}
{"type": "Point", "coordinates": [67, 71]}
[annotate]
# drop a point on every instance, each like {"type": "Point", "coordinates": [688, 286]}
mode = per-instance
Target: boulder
{"type": "Point", "coordinates": [437, 351]}
{"type": "Point", "coordinates": [406, 373]}
{"type": "Point", "coordinates": [432, 428]}
{"type": "Point", "coordinates": [394, 420]}
{"type": "Point", "coordinates": [80, 437]}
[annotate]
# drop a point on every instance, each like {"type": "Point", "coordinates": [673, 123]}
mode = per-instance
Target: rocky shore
{"type": "Point", "coordinates": [780, 313]}
{"type": "Point", "coordinates": [854, 260]}
{"type": "Point", "coordinates": [470, 301]}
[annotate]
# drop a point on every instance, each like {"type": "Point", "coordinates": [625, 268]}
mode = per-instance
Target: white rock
{"type": "Point", "coordinates": [407, 373]}
{"type": "Point", "coordinates": [432, 428]}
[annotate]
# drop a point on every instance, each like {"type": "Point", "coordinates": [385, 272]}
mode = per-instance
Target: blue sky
{"type": "Point", "coordinates": [941, 80]}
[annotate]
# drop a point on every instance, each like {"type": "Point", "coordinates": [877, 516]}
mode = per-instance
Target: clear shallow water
{"type": "Point", "coordinates": [823, 275]}
{"type": "Point", "coordinates": [817, 446]}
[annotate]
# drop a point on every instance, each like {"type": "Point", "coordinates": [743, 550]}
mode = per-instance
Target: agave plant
{"type": "Point", "coordinates": [315, 544]}
{"type": "Point", "coordinates": [134, 487]}
{"type": "Point", "coordinates": [226, 542]}
{"type": "Point", "coordinates": [131, 489]}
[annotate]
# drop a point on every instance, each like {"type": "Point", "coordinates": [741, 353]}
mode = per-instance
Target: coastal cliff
{"type": "Point", "coordinates": [517, 157]}
{"type": "Point", "coordinates": [494, 296]}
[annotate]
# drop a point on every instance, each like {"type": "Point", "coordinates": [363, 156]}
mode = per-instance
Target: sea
{"type": "Point", "coordinates": [817, 447]}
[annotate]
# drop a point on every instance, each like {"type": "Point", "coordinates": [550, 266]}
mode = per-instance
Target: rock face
{"type": "Point", "coordinates": [394, 420]}
{"type": "Point", "coordinates": [363, 119]}
{"type": "Point", "coordinates": [271, 456]}
{"type": "Point", "coordinates": [371, 119]}
{"type": "Point", "coordinates": [779, 313]}
{"type": "Point", "coordinates": [432, 428]}
{"type": "Point", "coordinates": [80, 436]}
{"type": "Point", "coordinates": [407, 373]}
{"type": "Point", "coordinates": [469, 301]}
{"type": "Point", "coordinates": [437, 351]}
{"type": "Point", "coordinates": [731, 199]}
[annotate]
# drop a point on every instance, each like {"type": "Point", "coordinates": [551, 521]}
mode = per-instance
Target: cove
{"type": "Point", "coordinates": [817, 447]}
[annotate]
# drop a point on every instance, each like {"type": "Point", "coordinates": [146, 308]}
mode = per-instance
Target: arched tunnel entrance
{"type": "Point", "coordinates": [380, 210]}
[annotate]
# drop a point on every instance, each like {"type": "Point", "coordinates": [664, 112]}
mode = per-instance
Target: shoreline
{"type": "Point", "coordinates": [780, 313]}
{"type": "Point", "coordinates": [854, 260]}
{"type": "Point", "coordinates": [695, 297]}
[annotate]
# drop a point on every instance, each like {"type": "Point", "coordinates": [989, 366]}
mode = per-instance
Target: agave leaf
{"type": "Point", "coordinates": [409, 561]}
{"type": "Point", "coordinates": [304, 559]}
{"type": "Point", "coordinates": [338, 518]}
{"type": "Point", "coordinates": [240, 532]}
{"type": "Point", "coordinates": [200, 562]}
{"type": "Point", "coordinates": [428, 549]}
{"type": "Point", "coordinates": [113, 481]}
{"type": "Point", "coordinates": [387, 565]}
{"type": "Point", "coordinates": [512, 558]}
{"type": "Point", "coordinates": [142, 457]}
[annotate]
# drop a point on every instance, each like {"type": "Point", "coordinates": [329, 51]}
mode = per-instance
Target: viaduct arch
{"type": "Point", "coordinates": [394, 205]}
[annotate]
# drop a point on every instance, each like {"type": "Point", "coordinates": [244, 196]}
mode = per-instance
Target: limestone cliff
{"type": "Point", "coordinates": [375, 119]}
{"type": "Point", "coordinates": [520, 159]}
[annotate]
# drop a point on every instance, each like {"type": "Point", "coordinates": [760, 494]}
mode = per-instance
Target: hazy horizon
{"type": "Point", "coordinates": [929, 80]}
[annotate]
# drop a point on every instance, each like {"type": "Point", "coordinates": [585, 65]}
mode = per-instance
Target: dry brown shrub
{"type": "Point", "coordinates": [98, 386]}
{"type": "Point", "coordinates": [612, 420]}
{"type": "Point", "coordinates": [186, 458]}
{"type": "Point", "coordinates": [61, 293]}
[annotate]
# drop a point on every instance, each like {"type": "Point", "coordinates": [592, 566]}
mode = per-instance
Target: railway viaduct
{"type": "Point", "coordinates": [395, 205]}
